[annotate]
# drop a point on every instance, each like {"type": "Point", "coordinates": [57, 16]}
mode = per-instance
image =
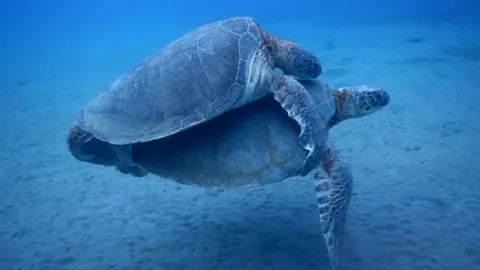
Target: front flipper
{"type": "Point", "coordinates": [299, 105]}
{"type": "Point", "coordinates": [333, 198]}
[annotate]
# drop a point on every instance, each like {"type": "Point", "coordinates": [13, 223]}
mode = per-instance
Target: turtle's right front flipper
{"type": "Point", "coordinates": [300, 106]}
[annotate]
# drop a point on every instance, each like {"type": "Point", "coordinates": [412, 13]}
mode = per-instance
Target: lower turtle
{"type": "Point", "coordinates": [250, 146]}
{"type": "Point", "coordinates": [209, 71]}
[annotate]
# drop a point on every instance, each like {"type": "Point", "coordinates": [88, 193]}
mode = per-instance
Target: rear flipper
{"type": "Point", "coordinates": [124, 161]}
{"type": "Point", "coordinates": [333, 198]}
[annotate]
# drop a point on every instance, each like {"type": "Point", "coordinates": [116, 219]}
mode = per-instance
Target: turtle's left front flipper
{"type": "Point", "coordinates": [333, 198]}
{"type": "Point", "coordinates": [300, 63]}
{"type": "Point", "coordinates": [300, 106]}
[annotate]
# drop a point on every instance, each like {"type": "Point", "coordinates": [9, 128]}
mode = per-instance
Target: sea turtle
{"type": "Point", "coordinates": [201, 75]}
{"type": "Point", "coordinates": [250, 146]}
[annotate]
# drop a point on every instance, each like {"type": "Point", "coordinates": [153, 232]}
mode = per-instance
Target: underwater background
{"type": "Point", "coordinates": [415, 163]}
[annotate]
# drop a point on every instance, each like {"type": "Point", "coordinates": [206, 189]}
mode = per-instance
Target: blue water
{"type": "Point", "coordinates": [416, 202]}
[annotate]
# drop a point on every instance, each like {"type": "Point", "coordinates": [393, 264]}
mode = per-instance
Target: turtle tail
{"type": "Point", "coordinates": [76, 138]}
{"type": "Point", "coordinates": [333, 198]}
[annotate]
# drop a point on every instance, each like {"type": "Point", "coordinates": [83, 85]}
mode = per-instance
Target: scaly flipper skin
{"type": "Point", "coordinates": [299, 105]}
{"type": "Point", "coordinates": [333, 198]}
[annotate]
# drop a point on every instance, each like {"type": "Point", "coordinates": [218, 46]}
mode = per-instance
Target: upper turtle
{"type": "Point", "coordinates": [203, 74]}
{"type": "Point", "coordinates": [199, 76]}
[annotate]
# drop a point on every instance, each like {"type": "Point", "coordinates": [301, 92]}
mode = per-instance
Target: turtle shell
{"type": "Point", "coordinates": [193, 79]}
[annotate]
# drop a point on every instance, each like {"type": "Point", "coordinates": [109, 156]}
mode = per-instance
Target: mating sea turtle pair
{"type": "Point", "coordinates": [253, 145]}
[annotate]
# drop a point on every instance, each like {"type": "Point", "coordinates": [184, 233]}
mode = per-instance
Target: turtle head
{"type": "Point", "coordinates": [86, 148]}
{"type": "Point", "coordinates": [358, 101]}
